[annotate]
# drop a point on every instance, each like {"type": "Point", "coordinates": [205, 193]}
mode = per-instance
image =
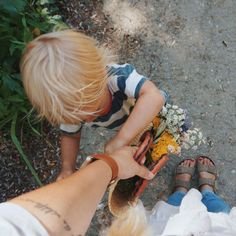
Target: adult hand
{"type": "Point", "coordinates": [128, 167]}
{"type": "Point", "coordinates": [114, 144]}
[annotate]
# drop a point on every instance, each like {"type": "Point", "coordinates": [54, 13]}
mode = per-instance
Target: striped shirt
{"type": "Point", "coordinates": [124, 87]}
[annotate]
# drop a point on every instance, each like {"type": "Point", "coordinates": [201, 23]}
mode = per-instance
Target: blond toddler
{"type": "Point", "coordinates": [70, 81]}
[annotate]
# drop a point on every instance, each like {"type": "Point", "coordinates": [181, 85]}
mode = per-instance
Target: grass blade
{"type": "Point", "coordinates": [32, 128]}
{"type": "Point", "coordinates": [6, 120]}
{"type": "Point", "coordinates": [20, 150]}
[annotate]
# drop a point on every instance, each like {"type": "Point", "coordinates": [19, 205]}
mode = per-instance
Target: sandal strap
{"type": "Point", "coordinates": [182, 183]}
{"type": "Point", "coordinates": [185, 170]}
{"type": "Point", "coordinates": [207, 181]}
{"type": "Point", "coordinates": [208, 169]}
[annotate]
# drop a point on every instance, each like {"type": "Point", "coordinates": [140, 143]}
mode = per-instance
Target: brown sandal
{"type": "Point", "coordinates": [209, 169]}
{"type": "Point", "coordinates": [184, 170]}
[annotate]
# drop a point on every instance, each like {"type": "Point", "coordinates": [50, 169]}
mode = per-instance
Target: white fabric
{"type": "Point", "coordinates": [191, 219]}
{"type": "Point", "coordinates": [132, 83]}
{"type": "Point", "coordinates": [16, 221]}
{"type": "Point", "coordinates": [112, 84]}
{"type": "Point", "coordinates": [70, 128]}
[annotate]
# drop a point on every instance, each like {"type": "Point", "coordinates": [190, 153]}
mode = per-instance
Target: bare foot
{"type": "Point", "coordinates": [185, 177]}
{"type": "Point", "coordinates": [205, 161]}
{"type": "Point", "coordinates": [65, 173]}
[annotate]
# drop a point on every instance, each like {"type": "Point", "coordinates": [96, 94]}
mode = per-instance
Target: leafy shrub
{"type": "Point", "coordinates": [20, 22]}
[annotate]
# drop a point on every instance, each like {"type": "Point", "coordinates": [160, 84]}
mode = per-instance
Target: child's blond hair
{"type": "Point", "coordinates": [132, 222]}
{"type": "Point", "coordinates": [64, 73]}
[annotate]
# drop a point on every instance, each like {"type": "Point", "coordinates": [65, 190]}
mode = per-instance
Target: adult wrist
{"type": "Point", "coordinates": [109, 161]}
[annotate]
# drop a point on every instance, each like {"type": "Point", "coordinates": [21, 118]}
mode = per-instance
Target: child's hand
{"type": "Point", "coordinates": [114, 144]}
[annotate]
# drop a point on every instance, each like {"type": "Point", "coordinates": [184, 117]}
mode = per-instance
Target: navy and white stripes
{"type": "Point", "coordinates": [124, 85]}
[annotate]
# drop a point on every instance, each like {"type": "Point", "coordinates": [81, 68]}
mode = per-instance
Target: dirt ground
{"type": "Point", "coordinates": [186, 47]}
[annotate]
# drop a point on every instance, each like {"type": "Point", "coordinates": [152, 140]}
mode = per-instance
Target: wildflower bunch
{"type": "Point", "coordinates": [174, 118]}
{"type": "Point", "coordinates": [166, 144]}
{"type": "Point", "coordinates": [172, 133]}
{"type": "Point", "coordinates": [191, 139]}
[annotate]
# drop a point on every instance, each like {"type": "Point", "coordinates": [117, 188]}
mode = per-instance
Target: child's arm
{"type": "Point", "coordinates": [148, 105]}
{"type": "Point", "coordinates": [69, 150]}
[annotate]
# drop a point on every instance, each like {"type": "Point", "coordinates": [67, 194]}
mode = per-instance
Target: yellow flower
{"type": "Point", "coordinates": [156, 122]}
{"type": "Point", "coordinates": [163, 145]}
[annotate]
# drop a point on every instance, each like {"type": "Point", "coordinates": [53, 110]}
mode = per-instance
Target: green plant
{"type": "Point", "coordinates": [20, 22]}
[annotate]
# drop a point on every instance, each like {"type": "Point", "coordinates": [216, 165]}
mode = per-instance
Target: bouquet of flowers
{"type": "Point", "coordinates": [168, 133]}
{"type": "Point", "coordinates": [171, 132]}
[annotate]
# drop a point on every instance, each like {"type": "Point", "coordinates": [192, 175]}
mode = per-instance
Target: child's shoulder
{"type": "Point", "coordinates": [121, 69]}
{"type": "Point", "coordinates": [125, 78]}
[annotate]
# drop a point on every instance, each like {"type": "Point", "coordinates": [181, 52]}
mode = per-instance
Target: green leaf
{"type": "Point", "coordinates": [43, 2]}
{"type": "Point", "coordinates": [28, 36]}
{"type": "Point", "coordinates": [12, 84]}
{"type": "Point", "coordinates": [16, 98]}
{"type": "Point", "coordinates": [44, 11]}
{"type": "Point", "coordinates": [23, 20]}
{"type": "Point", "coordinates": [15, 47]}
{"type": "Point", "coordinates": [13, 6]}
{"type": "Point", "coordinates": [3, 107]}
{"type": "Point", "coordinates": [18, 42]}
{"type": "Point", "coordinates": [23, 110]}
{"type": "Point", "coordinates": [6, 120]}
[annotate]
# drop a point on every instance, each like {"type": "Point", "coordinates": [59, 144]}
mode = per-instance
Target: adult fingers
{"type": "Point", "coordinates": [133, 149]}
{"type": "Point", "coordinates": [143, 161]}
{"type": "Point", "coordinates": [145, 173]}
{"type": "Point", "coordinates": [129, 150]}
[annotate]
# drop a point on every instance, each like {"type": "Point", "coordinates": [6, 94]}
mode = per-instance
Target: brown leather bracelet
{"type": "Point", "coordinates": [110, 162]}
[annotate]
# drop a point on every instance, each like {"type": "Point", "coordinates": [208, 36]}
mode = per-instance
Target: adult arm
{"type": "Point", "coordinates": [66, 207]}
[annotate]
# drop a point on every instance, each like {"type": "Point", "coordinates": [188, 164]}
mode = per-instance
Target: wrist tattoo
{"type": "Point", "coordinates": [44, 208]}
{"type": "Point", "coordinates": [50, 211]}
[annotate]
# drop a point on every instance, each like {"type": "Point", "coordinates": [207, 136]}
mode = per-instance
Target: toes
{"type": "Point", "coordinates": [201, 160]}
{"type": "Point", "coordinates": [188, 163]}
{"type": "Point", "coordinates": [210, 163]}
{"type": "Point", "coordinates": [205, 161]}
{"type": "Point", "coordinates": [186, 177]}
{"type": "Point", "coordinates": [184, 163]}
{"type": "Point", "coordinates": [192, 163]}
